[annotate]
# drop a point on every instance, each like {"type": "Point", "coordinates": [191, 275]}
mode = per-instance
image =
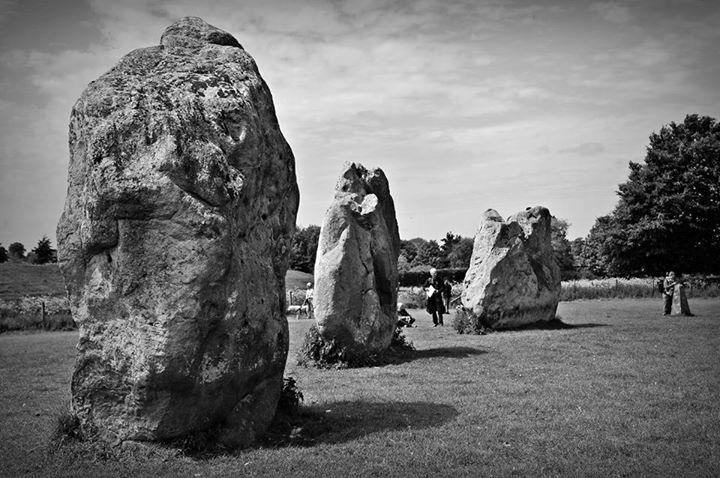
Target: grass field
{"type": "Point", "coordinates": [625, 391]}
{"type": "Point", "coordinates": [18, 279]}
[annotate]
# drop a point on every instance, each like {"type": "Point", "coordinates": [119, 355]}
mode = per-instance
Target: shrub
{"type": "Point", "coordinates": [412, 298]}
{"type": "Point", "coordinates": [466, 322]}
{"type": "Point", "coordinates": [290, 397]}
{"type": "Point", "coordinates": [318, 352]}
{"type": "Point", "coordinates": [400, 342]}
{"type": "Point", "coordinates": [67, 426]}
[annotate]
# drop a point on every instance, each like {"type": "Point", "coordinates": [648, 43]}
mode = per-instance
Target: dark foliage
{"type": "Point", "coordinates": [17, 251]}
{"type": "Point", "coordinates": [3, 254]}
{"type": "Point", "coordinates": [44, 253]}
{"type": "Point", "coordinates": [465, 322]}
{"type": "Point", "coordinates": [304, 248]}
{"type": "Point", "coordinates": [668, 215]}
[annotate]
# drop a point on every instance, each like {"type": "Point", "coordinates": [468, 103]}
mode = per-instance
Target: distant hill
{"type": "Point", "coordinates": [18, 279]}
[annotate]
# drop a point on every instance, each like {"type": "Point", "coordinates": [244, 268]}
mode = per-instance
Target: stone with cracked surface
{"type": "Point", "coordinates": [513, 279]}
{"type": "Point", "coordinates": [356, 267]}
{"type": "Point", "coordinates": [174, 242]}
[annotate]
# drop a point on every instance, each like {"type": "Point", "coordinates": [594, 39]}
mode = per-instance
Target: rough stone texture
{"type": "Point", "coordinates": [174, 242]}
{"type": "Point", "coordinates": [356, 267]}
{"type": "Point", "coordinates": [680, 304]}
{"type": "Point", "coordinates": [513, 278]}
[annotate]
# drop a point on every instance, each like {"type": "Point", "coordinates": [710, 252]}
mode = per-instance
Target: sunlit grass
{"type": "Point", "coordinates": [623, 392]}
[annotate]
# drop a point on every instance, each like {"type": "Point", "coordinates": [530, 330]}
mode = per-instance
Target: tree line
{"type": "Point", "coordinates": [43, 253]}
{"type": "Point", "coordinates": [667, 218]}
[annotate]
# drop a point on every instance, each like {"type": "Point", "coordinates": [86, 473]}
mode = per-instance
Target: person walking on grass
{"type": "Point", "coordinates": [435, 306]}
{"type": "Point", "coordinates": [447, 294]}
{"type": "Point", "coordinates": [308, 301]}
{"type": "Point", "coordinates": [668, 288]}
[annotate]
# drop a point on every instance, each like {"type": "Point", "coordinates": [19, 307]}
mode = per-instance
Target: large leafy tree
{"type": "Point", "coordinates": [668, 215]}
{"type": "Point", "coordinates": [304, 248]}
{"type": "Point", "coordinates": [3, 254]}
{"type": "Point", "coordinates": [44, 252]}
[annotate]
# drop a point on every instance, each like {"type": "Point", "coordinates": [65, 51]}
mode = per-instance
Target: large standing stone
{"type": "Point", "coordinates": [174, 242]}
{"type": "Point", "coordinates": [356, 267]}
{"type": "Point", "coordinates": [513, 278]}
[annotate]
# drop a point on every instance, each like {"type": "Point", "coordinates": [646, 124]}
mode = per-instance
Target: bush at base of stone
{"type": "Point", "coordinates": [400, 343]}
{"type": "Point", "coordinates": [318, 352]}
{"type": "Point", "coordinates": [290, 397]}
{"type": "Point", "coordinates": [465, 322]}
{"type": "Point", "coordinates": [67, 426]}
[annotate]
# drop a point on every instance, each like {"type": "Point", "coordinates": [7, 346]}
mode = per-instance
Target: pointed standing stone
{"type": "Point", "coordinates": [174, 242]}
{"type": "Point", "coordinates": [356, 267]}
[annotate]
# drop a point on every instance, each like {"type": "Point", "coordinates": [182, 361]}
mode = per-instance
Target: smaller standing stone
{"type": "Point", "coordinates": [680, 303]}
{"type": "Point", "coordinates": [513, 278]}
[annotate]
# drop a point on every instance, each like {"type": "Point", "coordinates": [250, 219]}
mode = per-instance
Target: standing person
{"type": "Point", "coordinates": [447, 294]}
{"type": "Point", "coordinates": [307, 302]}
{"type": "Point", "coordinates": [668, 288]}
{"type": "Point", "coordinates": [434, 306]}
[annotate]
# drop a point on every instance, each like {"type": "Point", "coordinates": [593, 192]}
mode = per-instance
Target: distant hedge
{"type": "Point", "coordinates": [418, 278]}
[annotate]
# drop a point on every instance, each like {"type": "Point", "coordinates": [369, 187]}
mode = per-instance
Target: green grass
{"type": "Point", "coordinates": [625, 391]}
{"type": "Point", "coordinates": [19, 279]}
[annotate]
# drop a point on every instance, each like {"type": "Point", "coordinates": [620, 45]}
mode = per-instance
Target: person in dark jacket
{"type": "Point", "coordinates": [668, 289]}
{"type": "Point", "coordinates": [434, 306]}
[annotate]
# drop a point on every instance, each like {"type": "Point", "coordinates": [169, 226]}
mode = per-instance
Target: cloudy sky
{"type": "Point", "coordinates": [466, 105]}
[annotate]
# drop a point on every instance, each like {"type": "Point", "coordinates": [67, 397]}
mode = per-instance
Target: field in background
{"type": "Point", "coordinates": [24, 288]}
{"type": "Point", "coordinates": [19, 279]}
{"type": "Point", "coordinates": [623, 392]}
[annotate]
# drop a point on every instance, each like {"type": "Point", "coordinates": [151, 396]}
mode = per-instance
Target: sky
{"type": "Point", "coordinates": [466, 105]}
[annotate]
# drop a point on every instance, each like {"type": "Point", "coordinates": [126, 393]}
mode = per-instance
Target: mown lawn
{"type": "Point", "coordinates": [624, 392]}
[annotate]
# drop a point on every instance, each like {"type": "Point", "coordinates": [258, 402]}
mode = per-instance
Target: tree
{"type": "Point", "coordinates": [408, 250]}
{"type": "Point", "coordinates": [303, 249]}
{"type": "Point", "coordinates": [561, 248]}
{"type": "Point", "coordinates": [44, 253]}
{"type": "Point", "coordinates": [3, 254]}
{"type": "Point", "coordinates": [448, 242]}
{"type": "Point", "coordinates": [668, 215]}
{"type": "Point", "coordinates": [459, 256]}
{"type": "Point", "coordinates": [17, 251]}
{"type": "Point", "coordinates": [429, 254]}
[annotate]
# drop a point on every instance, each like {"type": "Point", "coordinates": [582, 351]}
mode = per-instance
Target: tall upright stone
{"type": "Point", "coordinates": [356, 273]}
{"type": "Point", "coordinates": [174, 242]}
{"type": "Point", "coordinates": [513, 278]}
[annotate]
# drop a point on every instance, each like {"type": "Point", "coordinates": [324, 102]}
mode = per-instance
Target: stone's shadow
{"type": "Point", "coordinates": [340, 422]}
{"type": "Point", "coordinates": [439, 352]}
{"type": "Point", "coordinates": [555, 324]}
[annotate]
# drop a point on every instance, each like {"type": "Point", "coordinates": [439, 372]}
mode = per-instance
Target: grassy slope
{"type": "Point", "coordinates": [625, 392]}
{"type": "Point", "coordinates": [18, 279]}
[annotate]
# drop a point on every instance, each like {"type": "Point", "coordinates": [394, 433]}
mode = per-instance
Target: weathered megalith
{"type": "Point", "coordinates": [513, 278]}
{"type": "Point", "coordinates": [356, 267]}
{"type": "Point", "coordinates": [174, 242]}
{"type": "Point", "coordinates": [680, 304]}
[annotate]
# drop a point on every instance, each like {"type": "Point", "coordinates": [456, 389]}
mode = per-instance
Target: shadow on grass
{"type": "Point", "coordinates": [345, 421]}
{"type": "Point", "coordinates": [555, 324]}
{"type": "Point", "coordinates": [439, 352]}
